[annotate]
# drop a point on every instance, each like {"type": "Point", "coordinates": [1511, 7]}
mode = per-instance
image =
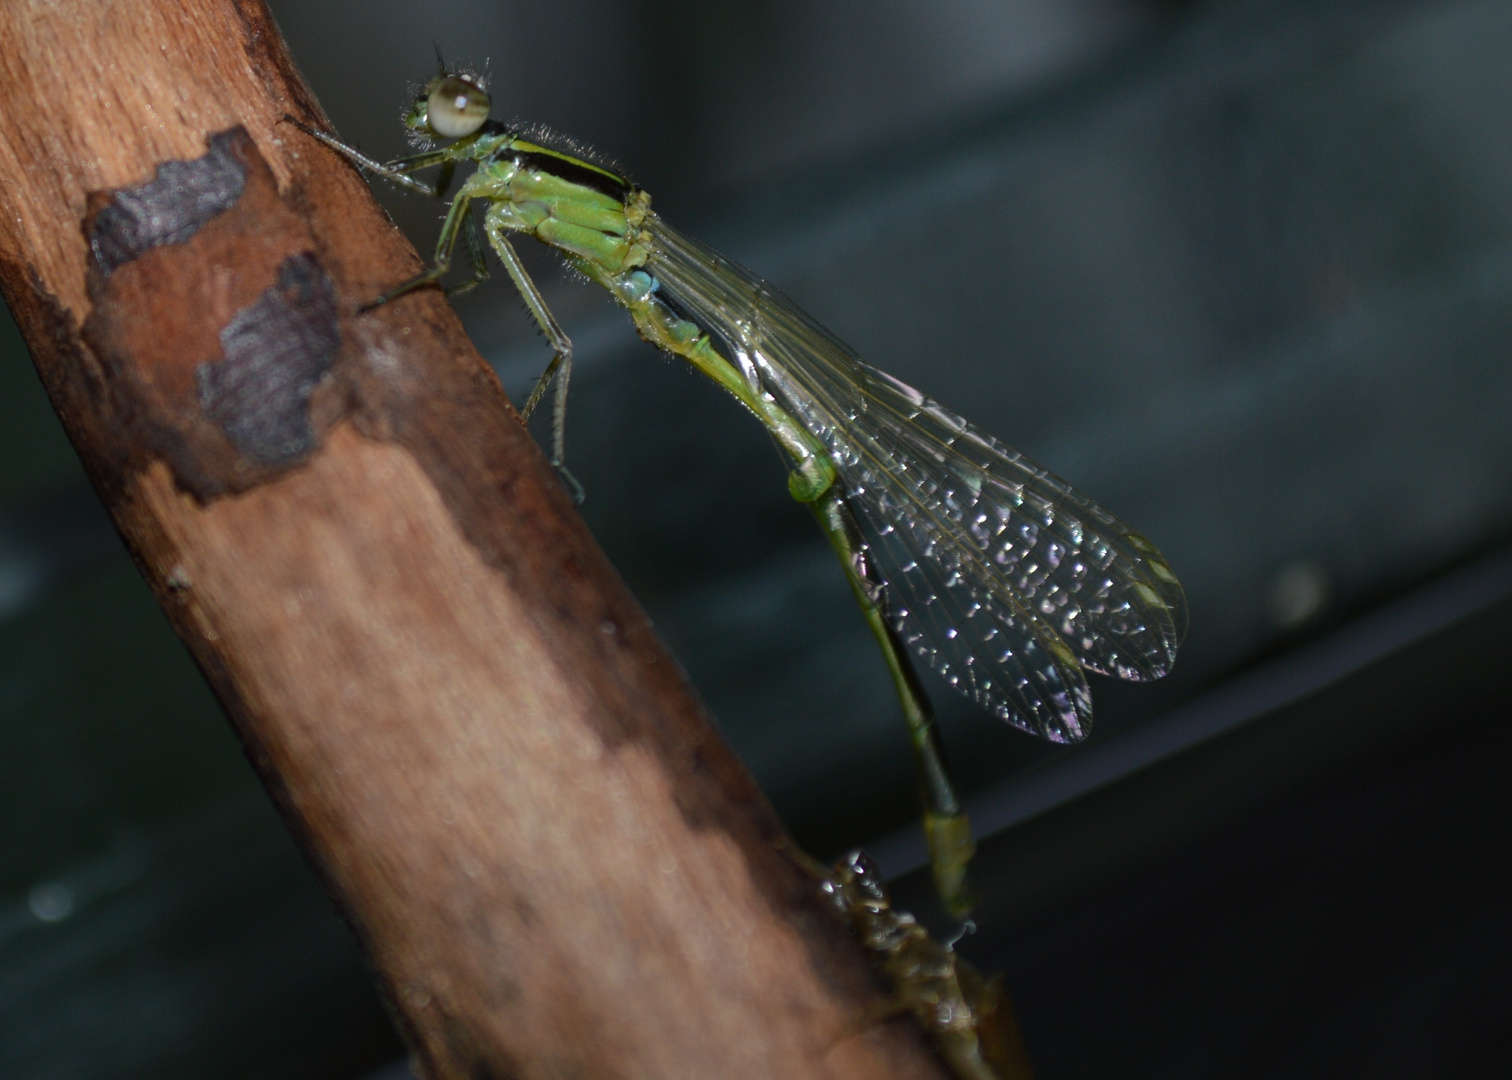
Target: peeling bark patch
{"type": "Point", "coordinates": [276, 352]}
{"type": "Point", "coordinates": [170, 208]}
{"type": "Point", "coordinates": [219, 353]}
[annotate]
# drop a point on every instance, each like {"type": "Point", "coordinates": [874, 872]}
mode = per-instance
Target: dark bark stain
{"type": "Point", "coordinates": [276, 352]}
{"type": "Point", "coordinates": [170, 208]}
{"type": "Point", "coordinates": [215, 326]}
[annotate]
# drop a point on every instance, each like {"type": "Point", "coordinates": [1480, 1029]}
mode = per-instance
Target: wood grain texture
{"type": "Point", "coordinates": [557, 867]}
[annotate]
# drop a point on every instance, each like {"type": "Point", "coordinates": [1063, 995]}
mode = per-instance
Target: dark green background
{"type": "Point", "coordinates": [1240, 269]}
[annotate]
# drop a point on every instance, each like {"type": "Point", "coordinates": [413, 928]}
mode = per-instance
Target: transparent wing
{"type": "Point", "coordinates": [1016, 531]}
{"type": "Point", "coordinates": [1004, 661]}
{"type": "Point", "coordinates": [999, 570]}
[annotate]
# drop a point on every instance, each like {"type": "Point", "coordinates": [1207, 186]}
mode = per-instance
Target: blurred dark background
{"type": "Point", "coordinates": [1240, 269]}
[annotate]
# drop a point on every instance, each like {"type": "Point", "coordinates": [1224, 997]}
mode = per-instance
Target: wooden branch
{"type": "Point", "coordinates": [555, 864]}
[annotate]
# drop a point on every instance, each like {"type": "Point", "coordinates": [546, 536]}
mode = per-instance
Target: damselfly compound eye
{"type": "Point", "coordinates": [456, 107]}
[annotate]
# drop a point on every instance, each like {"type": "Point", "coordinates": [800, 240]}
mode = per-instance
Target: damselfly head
{"type": "Point", "coordinates": [452, 106]}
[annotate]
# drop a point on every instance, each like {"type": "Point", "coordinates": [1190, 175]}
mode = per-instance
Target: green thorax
{"type": "Point", "coordinates": [585, 211]}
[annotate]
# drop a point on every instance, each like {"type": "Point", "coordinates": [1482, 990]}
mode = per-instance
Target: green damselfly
{"type": "Point", "coordinates": [1001, 577]}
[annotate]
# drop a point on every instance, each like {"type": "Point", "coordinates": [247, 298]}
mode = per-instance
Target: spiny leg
{"type": "Point", "coordinates": [397, 170]}
{"type": "Point", "coordinates": [946, 827]}
{"type": "Point", "coordinates": [457, 214]}
{"type": "Point", "coordinates": [560, 366]}
{"type": "Point", "coordinates": [479, 265]}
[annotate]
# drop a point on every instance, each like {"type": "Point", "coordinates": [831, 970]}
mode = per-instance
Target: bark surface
{"type": "Point", "coordinates": [556, 866]}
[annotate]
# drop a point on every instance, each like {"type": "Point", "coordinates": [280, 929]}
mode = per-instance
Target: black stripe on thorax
{"type": "Point", "coordinates": [604, 182]}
